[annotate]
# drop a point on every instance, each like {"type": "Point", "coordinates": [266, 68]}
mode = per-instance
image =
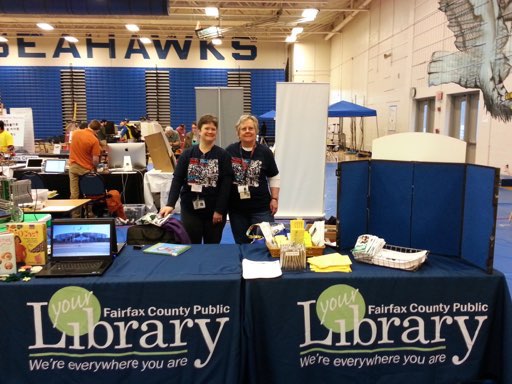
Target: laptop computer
{"type": "Point", "coordinates": [33, 164]}
{"type": "Point", "coordinates": [55, 166]}
{"type": "Point", "coordinates": [81, 247]}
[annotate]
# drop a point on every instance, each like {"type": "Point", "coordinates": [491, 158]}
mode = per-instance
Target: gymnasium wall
{"type": "Point", "coordinates": [30, 70]}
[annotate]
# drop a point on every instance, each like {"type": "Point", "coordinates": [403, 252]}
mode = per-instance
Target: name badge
{"type": "Point", "coordinates": [196, 187]}
{"type": "Point", "coordinates": [199, 204]}
{"type": "Point", "coordinates": [243, 190]}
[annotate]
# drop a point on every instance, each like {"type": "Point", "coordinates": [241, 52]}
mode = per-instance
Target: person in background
{"type": "Point", "coordinates": [192, 138]}
{"type": "Point", "coordinates": [102, 134]}
{"type": "Point", "coordinates": [202, 179]}
{"type": "Point", "coordinates": [173, 137]}
{"type": "Point", "coordinates": [182, 132]}
{"type": "Point", "coordinates": [6, 139]}
{"type": "Point", "coordinates": [84, 156]}
{"type": "Point", "coordinates": [263, 131]}
{"type": "Point", "coordinates": [254, 194]}
{"type": "Point", "coordinates": [124, 132]}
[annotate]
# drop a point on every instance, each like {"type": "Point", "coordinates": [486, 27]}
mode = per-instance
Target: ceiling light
{"type": "Point", "coordinates": [309, 14]}
{"type": "Point", "coordinates": [297, 30]}
{"type": "Point", "coordinates": [3, 39]}
{"type": "Point", "coordinates": [211, 11]}
{"type": "Point", "coordinates": [209, 33]}
{"type": "Point", "coordinates": [71, 39]}
{"type": "Point", "coordinates": [132, 27]}
{"type": "Point", "coordinates": [216, 41]}
{"type": "Point", "coordinates": [45, 26]}
{"type": "Point", "coordinates": [291, 39]}
{"type": "Point", "coordinates": [145, 40]}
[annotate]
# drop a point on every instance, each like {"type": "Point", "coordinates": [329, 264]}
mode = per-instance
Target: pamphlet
{"type": "Point", "coordinates": [167, 249]}
{"type": "Point", "coordinates": [7, 254]}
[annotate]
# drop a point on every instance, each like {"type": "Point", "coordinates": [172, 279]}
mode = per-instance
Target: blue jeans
{"type": "Point", "coordinates": [240, 222]}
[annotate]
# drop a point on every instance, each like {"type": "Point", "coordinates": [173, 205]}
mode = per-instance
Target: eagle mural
{"type": "Point", "coordinates": [481, 35]}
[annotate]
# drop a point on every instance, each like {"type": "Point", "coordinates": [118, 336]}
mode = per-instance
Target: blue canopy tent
{"type": "Point", "coordinates": [346, 109]}
{"type": "Point", "coordinates": [269, 134]}
{"type": "Point", "coordinates": [270, 115]}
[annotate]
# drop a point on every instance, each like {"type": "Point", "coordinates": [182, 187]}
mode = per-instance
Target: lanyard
{"type": "Point", "coordinates": [245, 166]}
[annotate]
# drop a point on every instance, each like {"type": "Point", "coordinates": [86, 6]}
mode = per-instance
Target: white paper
{"type": "Point", "coordinates": [260, 269]}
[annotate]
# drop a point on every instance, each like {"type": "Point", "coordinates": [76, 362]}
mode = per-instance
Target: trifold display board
{"type": "Point", "coordinates": [447, 208]}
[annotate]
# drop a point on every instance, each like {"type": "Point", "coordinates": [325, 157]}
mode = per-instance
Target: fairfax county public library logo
{"type": "Point", "coordinates": [73, 330]}
{"type": "Point", "coordinates": [342, 328]}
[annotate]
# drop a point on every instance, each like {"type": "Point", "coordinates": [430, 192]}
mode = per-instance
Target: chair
{"type": "Point", "coordinates": [92, 186]}
{"type": "Point", "coordinates": [35, 179]}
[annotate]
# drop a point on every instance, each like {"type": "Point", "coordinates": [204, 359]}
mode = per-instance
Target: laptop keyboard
{"type": "Point", "coordinates": [77, 266]}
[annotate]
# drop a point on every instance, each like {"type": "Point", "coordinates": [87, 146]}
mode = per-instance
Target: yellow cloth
{"type": "Point", "coordinates": [331, 269]}
{"type": "Point", "coordinates": [333, 262]}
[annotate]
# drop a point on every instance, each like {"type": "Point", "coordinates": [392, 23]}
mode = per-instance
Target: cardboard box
{"type": "Point", "coordinates": [7, 254]}
{"type": "Point", "coordinates": [33, 237]}
{"type": "Point", "coordinates": [330, 232]}
{"type": "Point", "coordinates": [160, 152]}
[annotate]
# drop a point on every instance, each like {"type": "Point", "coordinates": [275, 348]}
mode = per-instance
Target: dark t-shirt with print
{"type": "Point", "coordinates": [251, 168]}
{"type": "Point", "coordinates": [212, 171]}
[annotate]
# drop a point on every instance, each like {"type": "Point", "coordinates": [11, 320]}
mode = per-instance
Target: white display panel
{"type": "Point", "coordinates": [301, 130]}
{"type": "Point", "coordinates": [227, 104]}
{"type": "Point", "coordinates": [419, 146]}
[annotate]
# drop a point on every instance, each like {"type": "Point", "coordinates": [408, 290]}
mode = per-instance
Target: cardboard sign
{"type": "Point", "coordinates": [158, 146]}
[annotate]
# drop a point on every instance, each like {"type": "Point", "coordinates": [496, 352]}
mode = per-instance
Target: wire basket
{"type": "Point", "coordinates": [394, 256]}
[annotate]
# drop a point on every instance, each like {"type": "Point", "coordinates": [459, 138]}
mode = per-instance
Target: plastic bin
{"type": "Point", "coordinates": [134, 211]}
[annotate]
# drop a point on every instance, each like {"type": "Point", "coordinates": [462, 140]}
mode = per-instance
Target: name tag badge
{"type": "Point", "coordinates": [243, 190]}
{"type": "Point", "coordinates": [199, 204]}
{"type": "Point", "coordinates": [196, 187]}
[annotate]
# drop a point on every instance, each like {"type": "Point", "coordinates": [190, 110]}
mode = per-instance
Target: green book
{"type": "Point", "coordinates": [167, 249]}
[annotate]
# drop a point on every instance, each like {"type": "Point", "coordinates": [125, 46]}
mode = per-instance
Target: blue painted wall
{"type": "Point", "coordinates": [114, 93]}
{"type": "Point", "coordinates": [37, 88]}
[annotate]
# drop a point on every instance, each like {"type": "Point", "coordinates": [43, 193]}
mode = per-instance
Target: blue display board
{"type": "Point", "coordinates": [446, 208]}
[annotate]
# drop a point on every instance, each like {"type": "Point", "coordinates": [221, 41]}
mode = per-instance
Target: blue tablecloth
{"type": "Point", "coordinates": [149, 319]}
{"type": "Point", "coordinates": [446, 323]}
{"type": "Point", "coordinates": [189, 319]}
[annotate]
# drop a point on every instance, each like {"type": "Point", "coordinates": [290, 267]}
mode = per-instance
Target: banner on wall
{"type": "Point", "coordinates": [15, 124]}
{"type": "Point", "coordinates": [112, 52]}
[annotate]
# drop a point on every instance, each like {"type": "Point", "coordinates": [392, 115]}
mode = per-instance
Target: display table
{"type": "Point", "coordinates": [149, 319]}
{"type": "Point", "coordinates": [130, 185]}
{"type": "Point", "coordinates": [59, 206]}
{"type": "Point", "coordinates": [448, 322]}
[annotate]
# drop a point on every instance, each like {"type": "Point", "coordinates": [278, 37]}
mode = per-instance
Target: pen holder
{"type": "Point", "coordinates": [293, 257]}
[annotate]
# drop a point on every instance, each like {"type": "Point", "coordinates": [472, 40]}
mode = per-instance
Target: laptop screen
{"type": "Point", "coordinates": [81, 238]}
{"type": "Point", "coordinates": [34, 162]}
{"type": "Point", "coordinates": [55, 166]}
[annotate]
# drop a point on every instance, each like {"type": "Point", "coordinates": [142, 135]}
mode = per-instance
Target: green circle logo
{"type": "Point", "coordinates": [339, 307]}
{"type": "Point", "coordinates": [71, 309]}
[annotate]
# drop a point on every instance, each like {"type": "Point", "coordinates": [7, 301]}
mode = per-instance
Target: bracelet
{"type": "Point", "coordinates": [274, 198]}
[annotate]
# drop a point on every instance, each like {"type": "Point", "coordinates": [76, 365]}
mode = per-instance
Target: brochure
{"type": "Point", "coordinates": [167, 249]}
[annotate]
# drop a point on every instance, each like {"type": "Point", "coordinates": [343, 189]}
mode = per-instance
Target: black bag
{"type": "Point", "coordinates": [148, 234]}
